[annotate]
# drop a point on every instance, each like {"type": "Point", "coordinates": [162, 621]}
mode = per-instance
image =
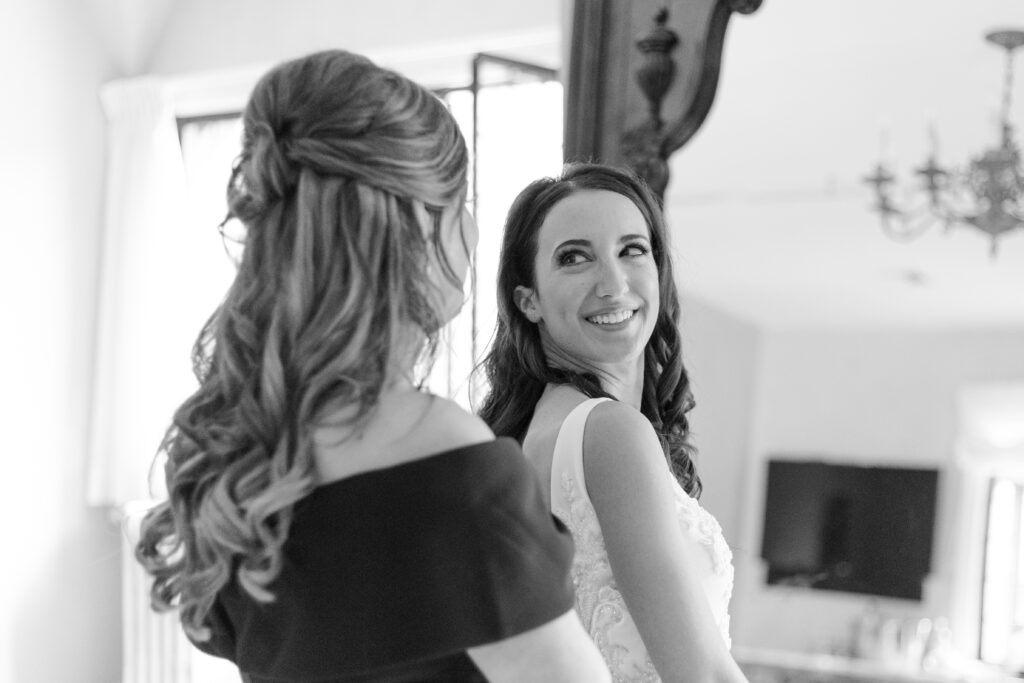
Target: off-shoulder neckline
{"type": "Point", "coordinates": [426, 461]}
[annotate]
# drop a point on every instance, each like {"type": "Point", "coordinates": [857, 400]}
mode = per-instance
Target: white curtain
{"type": "Point", "coordinates": [142, 367]}
{"type": "Point", "coordinates": [163, 272]}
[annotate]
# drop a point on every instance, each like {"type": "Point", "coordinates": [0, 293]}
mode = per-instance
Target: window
{"type": "Point", "coordinates": [1002, 599]}
{"type": "Point", "coordinates": [986, 568]}
{"type": "Point", "coordinates": [511, 117]}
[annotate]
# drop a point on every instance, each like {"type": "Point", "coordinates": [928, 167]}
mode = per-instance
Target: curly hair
{"type": "Point", "coordinates": [344, 168]}
{"type": "Point", "coordinates": [516, 368]}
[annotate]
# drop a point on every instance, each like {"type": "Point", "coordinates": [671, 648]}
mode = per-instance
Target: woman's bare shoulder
{"type": "Point", "coordinates": [622, 456]}
{"type": "Point", "coordinates": [613, 426]}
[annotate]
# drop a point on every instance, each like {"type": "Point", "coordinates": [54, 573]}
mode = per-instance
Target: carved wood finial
{"type": "Point", "coordinates": [605, 119]}
{"type": "Point", "coordinates": [658, 70]}
{"type": "Point", "coordinates": [647, 147]}
{"type": "Point", "coordinates": [641, 145]}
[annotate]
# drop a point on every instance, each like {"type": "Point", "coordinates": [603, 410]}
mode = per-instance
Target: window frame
{"type": "Point", "coordinates": [988, 650]}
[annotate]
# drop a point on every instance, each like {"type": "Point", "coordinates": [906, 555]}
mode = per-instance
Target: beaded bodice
{"type": "Point", "coordinates": [598, 600]}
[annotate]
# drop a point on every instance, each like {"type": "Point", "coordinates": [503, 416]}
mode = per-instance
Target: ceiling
{"type": "Point", "coordinates": [771, 218]}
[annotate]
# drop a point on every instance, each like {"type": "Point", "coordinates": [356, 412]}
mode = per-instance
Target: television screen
{"type": "Point", "coordinates": [849, 528]}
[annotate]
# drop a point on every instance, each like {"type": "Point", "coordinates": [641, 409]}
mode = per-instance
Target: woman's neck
{"type": "Point", "coordinates": [407, 345]}
{"type": "Point", "coordinates": [623, 380]}
{"type": "Point", "coordinates": [626, 385]}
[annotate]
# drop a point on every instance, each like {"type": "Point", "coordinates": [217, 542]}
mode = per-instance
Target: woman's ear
{"type": "Point", "coordinates": [526, 301]}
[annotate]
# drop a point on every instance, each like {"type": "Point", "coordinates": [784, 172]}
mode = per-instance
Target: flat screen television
{"type": "Point", "coordinates": [849, 528]}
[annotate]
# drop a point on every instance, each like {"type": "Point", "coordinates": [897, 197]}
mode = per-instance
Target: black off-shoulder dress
{"type": "Point", "coordinates": [390, 575]}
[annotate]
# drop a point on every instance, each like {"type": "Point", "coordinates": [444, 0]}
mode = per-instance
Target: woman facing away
{"type": "Point", "coordinates": [586, 372]}
{"type": "Point", "coordinates": [327, 520]}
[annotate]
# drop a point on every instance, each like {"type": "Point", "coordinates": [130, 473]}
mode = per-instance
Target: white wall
{"type": "Point", "coordinates": [199, 35]}
{"type": "Point", "coordinates": [866, 397]}
{"type": "Point", "coordinates": [721, 355]}
{"type": "Point", "coordinates": [59, 600]}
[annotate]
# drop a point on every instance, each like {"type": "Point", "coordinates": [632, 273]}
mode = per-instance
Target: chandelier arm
{"type": "Point", "coordinates": [1007, 87]}
{"type": "Point", "coordinates": [904, 226]}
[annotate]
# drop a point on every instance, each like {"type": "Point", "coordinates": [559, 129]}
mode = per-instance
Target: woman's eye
{"type": "Point", "coordinates": [571, 258]}
{"type": "Point", "coordinates": [636, 250]}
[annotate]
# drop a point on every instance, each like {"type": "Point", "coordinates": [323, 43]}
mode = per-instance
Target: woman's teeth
{"type": "Point", "coordinates": [611, 318]}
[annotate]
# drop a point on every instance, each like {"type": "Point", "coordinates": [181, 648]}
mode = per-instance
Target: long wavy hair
{"type": "Point", "coordinates": [516, 367]}
{"type": "Point", "coordinates": [345, 171]}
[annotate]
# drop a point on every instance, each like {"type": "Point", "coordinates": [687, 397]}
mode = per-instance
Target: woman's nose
{"type": "Point", "coordinates": [612, 280]}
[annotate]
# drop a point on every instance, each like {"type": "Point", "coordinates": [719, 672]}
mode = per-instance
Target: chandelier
{"type": "Point", "coordinates": [988, 194]}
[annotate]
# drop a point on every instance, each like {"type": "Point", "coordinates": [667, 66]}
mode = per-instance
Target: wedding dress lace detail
{"type": "Point", "coordinates": [598, 600]}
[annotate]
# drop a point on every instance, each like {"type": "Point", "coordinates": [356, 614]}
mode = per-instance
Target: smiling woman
{"type": "Point", "coordinates": [596, 285]}
{"type": "Point", "coordinates": [588, 324]}
{"type": "Point", "coordinates": [520, 330]}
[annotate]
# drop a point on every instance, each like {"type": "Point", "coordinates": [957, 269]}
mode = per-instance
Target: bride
{"type": "Point", "coordinates": [586, 372]}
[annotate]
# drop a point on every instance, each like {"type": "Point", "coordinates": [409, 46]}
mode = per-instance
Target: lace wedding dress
{"type": "Point", "coordinates": [598, 600]}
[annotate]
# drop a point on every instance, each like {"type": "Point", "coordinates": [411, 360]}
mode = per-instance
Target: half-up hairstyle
{"type": "Point", "coordinates": [516, 367]}
{"type": "Point", "coordinates": [344, 173]}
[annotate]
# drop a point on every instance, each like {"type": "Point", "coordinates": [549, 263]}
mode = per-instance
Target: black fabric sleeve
{"type": "Point", "coordinates": [221, 642]}
{"type": "Point", "coordinates": [409, 564]}
{"type": "Point", "coordinates": [525, 554]}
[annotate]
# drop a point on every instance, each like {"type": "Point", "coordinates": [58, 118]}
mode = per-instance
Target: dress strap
{"type": "Point", "coordinates": [568, 456]}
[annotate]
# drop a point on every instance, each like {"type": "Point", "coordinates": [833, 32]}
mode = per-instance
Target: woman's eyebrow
{"type": "Point", "coordinates": [586, 243]}
{"type": "Point", "coordinates": [573, 243]}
